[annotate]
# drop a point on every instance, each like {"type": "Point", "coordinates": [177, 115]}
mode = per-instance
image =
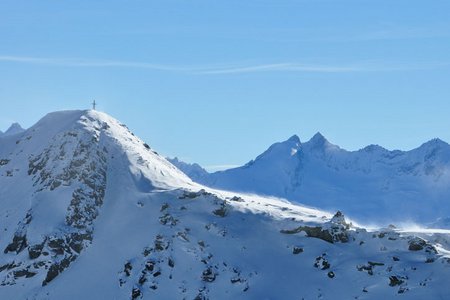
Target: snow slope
{"type": "Point", "coordinates": [89, 211]}
{"type": "Point", "coordinates": [371, 185]}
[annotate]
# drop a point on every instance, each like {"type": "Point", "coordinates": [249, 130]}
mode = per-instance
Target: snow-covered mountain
{"type": "Point", "coordinates": [15, 128]}
{"type": "Point", "coordinates": [371, 185]}
{"type": "Point", "coordinates": [193, 171]}
{"type": "Point", "coordinates": [90, 211]}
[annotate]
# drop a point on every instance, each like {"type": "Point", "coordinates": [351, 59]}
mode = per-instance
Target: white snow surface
{"type": "Point", "coordinates": [80, 194]}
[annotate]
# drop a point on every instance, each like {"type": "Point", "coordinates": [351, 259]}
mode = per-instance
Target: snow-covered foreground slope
{"type": "Point", "coordinates": [89, 211]}
{"type": "Point", "coordinates": [372, 185]}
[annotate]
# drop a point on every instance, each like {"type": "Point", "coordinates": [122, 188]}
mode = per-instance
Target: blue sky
{"type": "Point", "coordinates": [217, 82]}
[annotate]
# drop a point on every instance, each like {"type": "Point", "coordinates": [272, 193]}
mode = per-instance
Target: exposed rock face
{"type": "Point", "coordinates": [339, 219]}
{"type": "Point", "coordinates": [222, 211]}
{"type": "Point", "coordinates": [208, 275]}
{"type": "Point", "coordinates": [35, 251]}
{"type": "Point", "coordinates": [297, 250]}
{"type": "Point", "coordinates": [339, 228]}
{"type": "Point", "coordinates": [395, 280]}
{"type": "Point", "coordinates": [369, 267]}
{"type": "Point", "coordinates": [334, 231]}
{"type": "Point", "coordinates": [315, 232]}
{"type": "Point", "coordinates": [74, 158]}
{"type": "Point", "coordinates": [417, 244]}
{"type": "Point", "coordinates": [322, 262]}
{"type": "Point", "coordinates": [17, 245]}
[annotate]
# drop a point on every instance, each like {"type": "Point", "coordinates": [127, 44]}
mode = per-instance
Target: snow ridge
{"type": "Point", "coordinates": [403, 185]}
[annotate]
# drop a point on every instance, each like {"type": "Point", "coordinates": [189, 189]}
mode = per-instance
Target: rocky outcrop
{"type": "Point", "coordinates": [73, 159]}
{"type": "Point", "coordinates": [418, 244]}
{"type": "Point", "coordinates": [334, 231]}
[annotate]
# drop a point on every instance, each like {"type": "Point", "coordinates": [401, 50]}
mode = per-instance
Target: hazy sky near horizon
{"type": "Point", "coordinates": [217, 82]}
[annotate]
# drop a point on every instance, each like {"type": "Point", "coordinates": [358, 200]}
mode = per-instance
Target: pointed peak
{"type": "Point", "coordinates": [294, 139]}
{"type": "Point", "coordinates": [177, 162]}
{"type": "Point", "coordinates": [318, 137]}
{"type": "Point", "coordinates": [285, 148]}
{"type": "Point", "coordinates": [175, 159]}
{"type": "Point", "coordinates": [15, 125]}
{"type": "Point", "coordinates": [435, 143]}
{"type": "Point", "coordinates": [319, 143]}
{"type": "Point", "coordinates": [318, 140]}
{"type": "Point", "coordinates": [338, 217]}
{"type": "Point", "coordinates": [15, 128]}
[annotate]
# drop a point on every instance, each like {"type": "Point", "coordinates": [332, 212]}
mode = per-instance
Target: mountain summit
{"type": "Point", "coordinates": [15, 128]}
{"type": "Point", "coordinates": [90, 211]}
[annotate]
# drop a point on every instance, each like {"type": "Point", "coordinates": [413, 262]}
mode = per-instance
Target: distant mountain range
{"type": "Point", "coordinates": [371, 185]}
{"type": "Point", "coordinates": [90, 211]}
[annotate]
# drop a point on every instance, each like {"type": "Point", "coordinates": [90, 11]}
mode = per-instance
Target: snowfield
{"type": "Point", "coordinates": [90, 211]}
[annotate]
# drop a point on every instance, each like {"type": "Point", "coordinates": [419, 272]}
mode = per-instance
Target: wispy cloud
{"type": "Point", "coordinates": [77, 62]}
{"type": "Point", "coordinates": [367, 66]}
{"type": "Point", "coordinates": [293, 67]}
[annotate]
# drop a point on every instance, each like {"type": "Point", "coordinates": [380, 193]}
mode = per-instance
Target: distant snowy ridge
{"type": "Point", "coordinates": [372, 184]}
{"type": "Point", "coordinates": [15, 128]}
{"type": "Point", "coordinates": [90, 211]}
{"type": "Point", "coordinates": [193, 171]}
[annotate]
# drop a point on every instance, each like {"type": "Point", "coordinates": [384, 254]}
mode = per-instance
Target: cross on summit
{"type": "Point", "coordinates": [94, 105]}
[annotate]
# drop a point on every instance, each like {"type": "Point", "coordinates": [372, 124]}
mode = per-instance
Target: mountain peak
{"type": "Point", "coordinates": [15, 128]}
{"type": "Point", "coordinates": [287, 148]}
{"type": "Point", "coordinates": [148, 168]}
{"type": "Point", "coordinates": [436, 142]}
{"type": "Point", "coordinates": [318, 138]}
{"type": "Point", "coordinates": [318, 141]}
{"type": "Point", "coordinates": [192, 170]}
{"type": "Point", "coordinates": [373, 148]}
{"type": "Point", "coordinates": [292, 143]}
{"type": "Point", "coordinates": [433, 145]}
{"type": "Point", "coordinates": [66, 119]}
{"type": "Point", "coordinates": [294, 139]}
